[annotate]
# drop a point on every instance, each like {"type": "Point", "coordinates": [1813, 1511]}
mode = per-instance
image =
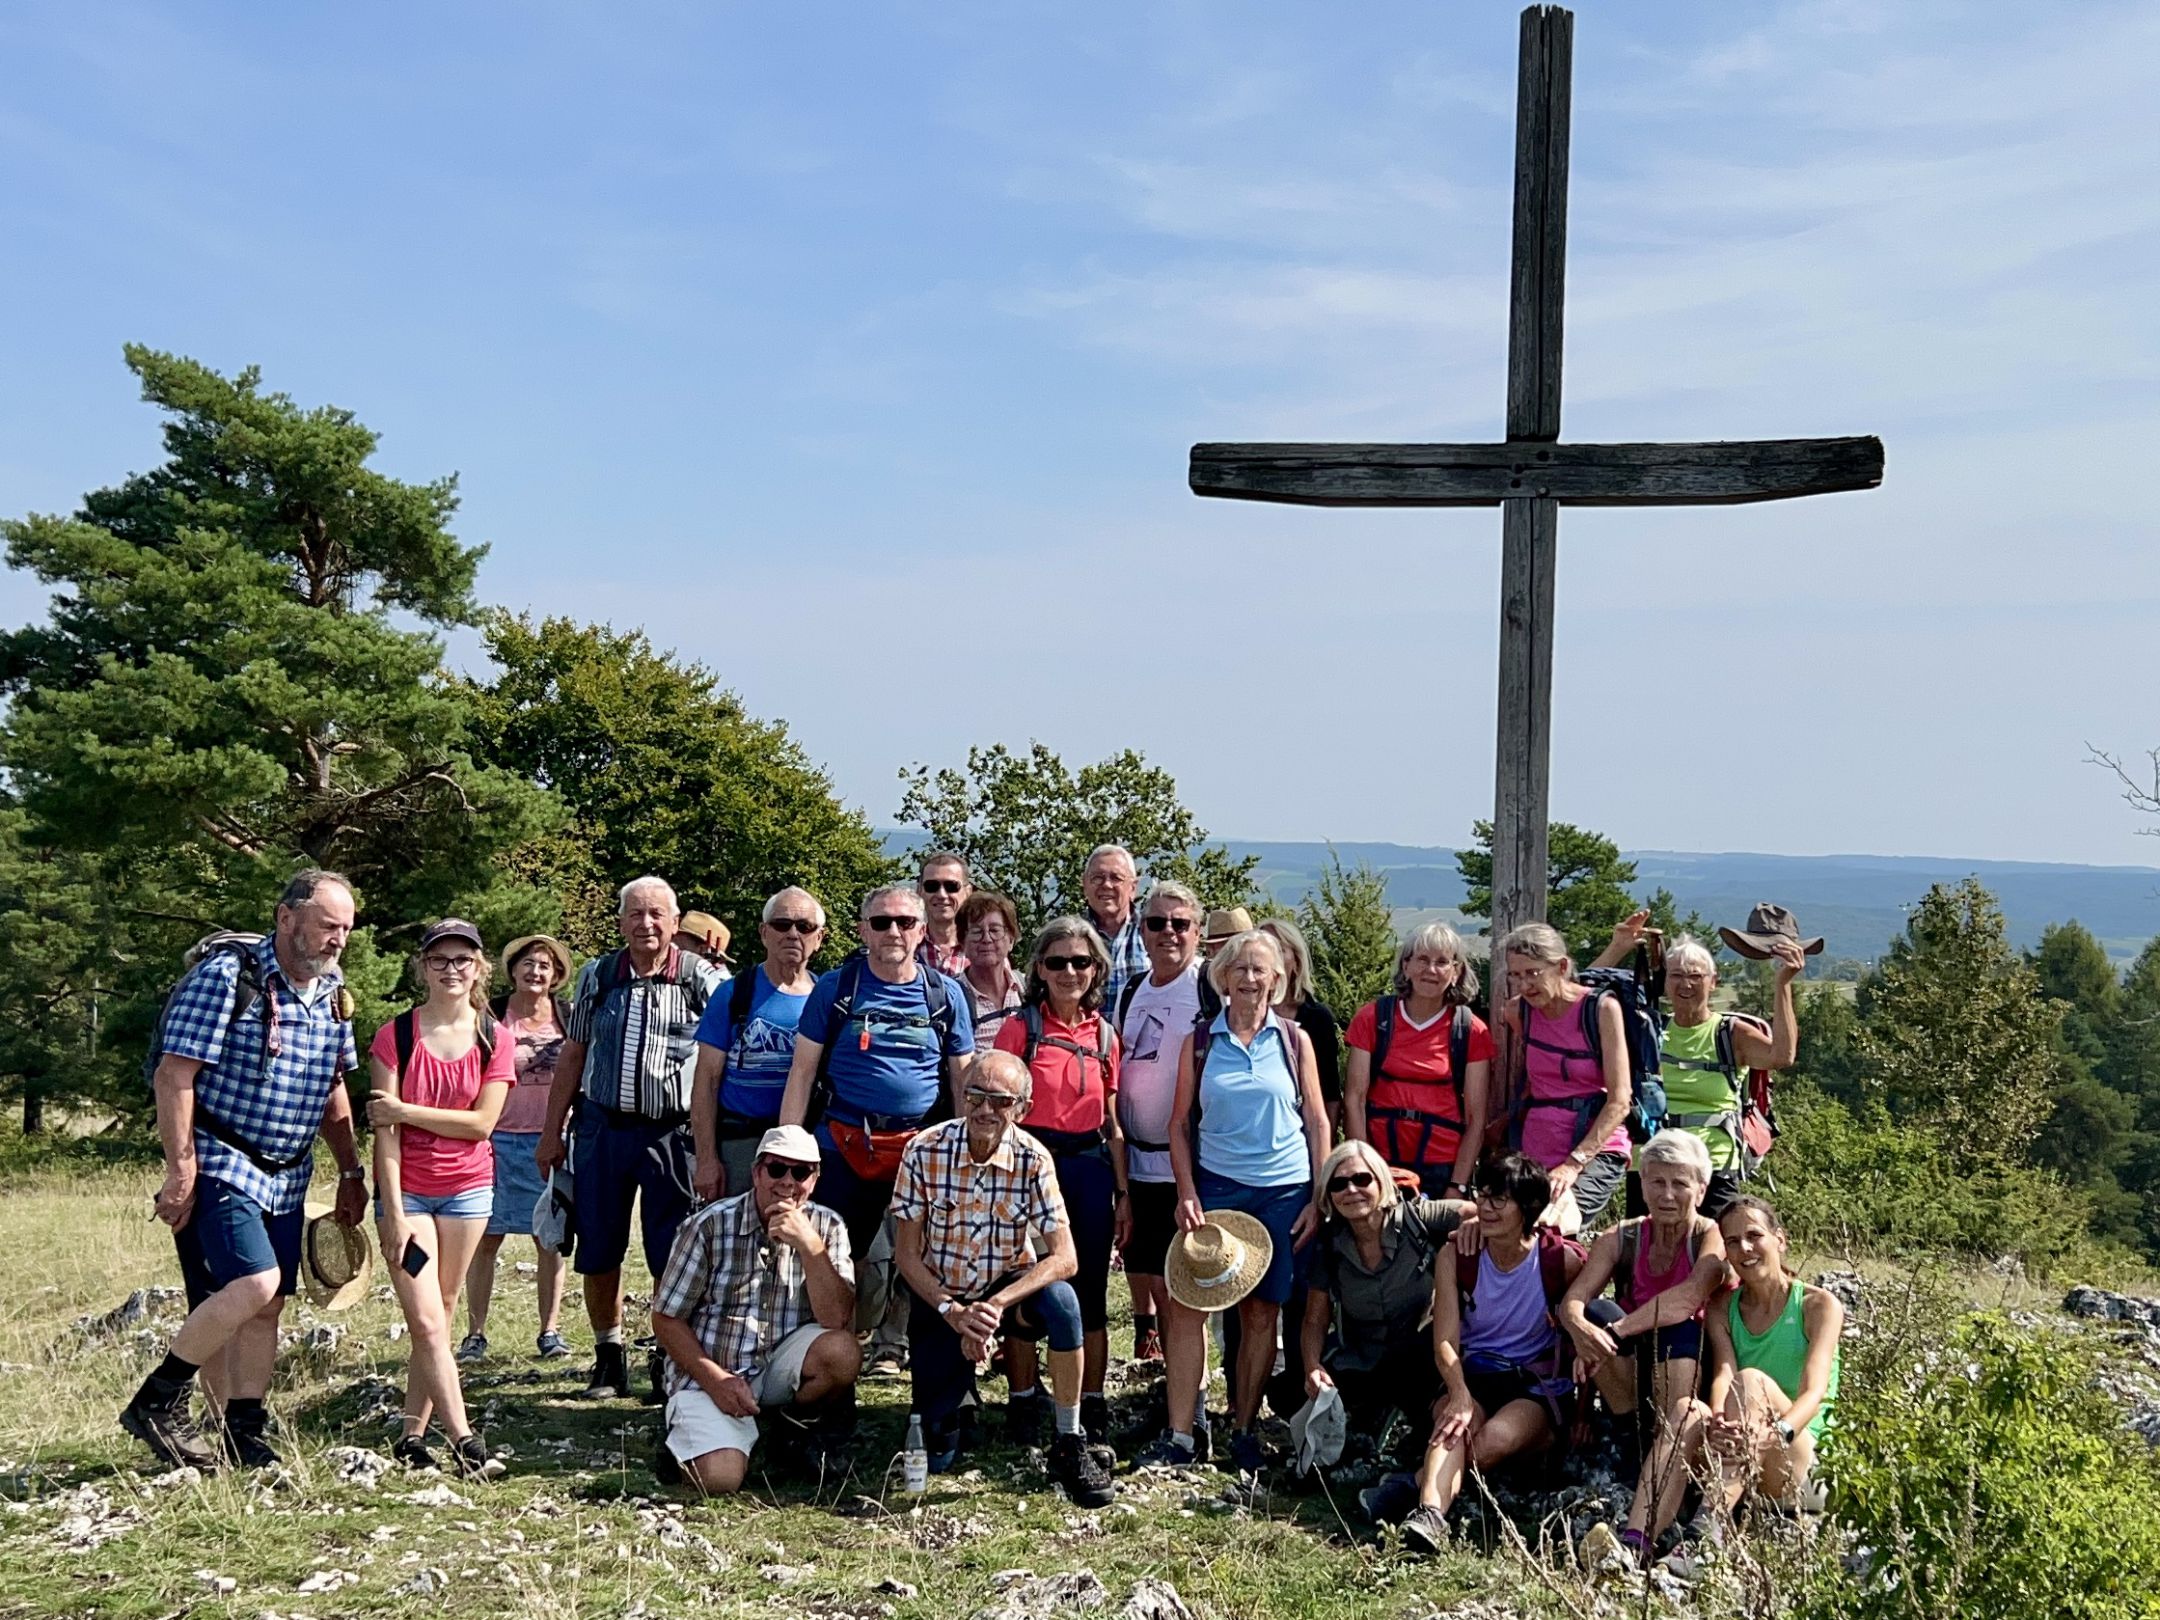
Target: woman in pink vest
{"type": "Point", "coordinates": [1570, 1102]}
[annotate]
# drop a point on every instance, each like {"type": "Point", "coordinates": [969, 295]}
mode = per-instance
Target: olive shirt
{"type": "Point", "coordinates": [1388, 1308]}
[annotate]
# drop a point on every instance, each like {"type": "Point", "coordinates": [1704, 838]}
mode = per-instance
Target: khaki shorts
{"type": "Point", "coordinates": [696, 1426]}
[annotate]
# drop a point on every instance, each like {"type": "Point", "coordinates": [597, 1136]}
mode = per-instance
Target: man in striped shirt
{"type": "Point", "coordinates": [629, 1057]}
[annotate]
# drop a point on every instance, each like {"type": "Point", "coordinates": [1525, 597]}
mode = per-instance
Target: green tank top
{"type": "Point", "coordinates": [1694, 1084]}
{"type": "Point", "coordinates": [1781, 1352]}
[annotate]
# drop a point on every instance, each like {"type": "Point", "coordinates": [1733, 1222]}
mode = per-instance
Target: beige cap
{"type": "Point", "coordinates": [790, 1142]}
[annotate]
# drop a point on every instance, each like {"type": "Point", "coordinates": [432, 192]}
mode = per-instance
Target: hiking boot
{"type": "Point", "coordinates": [1425, 1529]}
{"type": "Point", "coordinates": [1081, 1472]}
{"type": "Point", "coordinates": [655, 1373]}
{"type": "Point", "coordinates": [1390, 1501]}
{"type": "Point", "coordinates": [667, 1469]}
{"type": "Point", "coordinates": [1165, 1452]}
{"type": "Point", "coordinates": [1026, 1417]}
{"type": "Point", "coordinates": [469, 1456]}
{"type": "Point", "coordinates": [610, 1380]}
{"type": "Point", "coordinates": [167, 1430]}
{"type": "Point", "coordinates": [412, 1450]}
{"type": "Point", "coordinates": [551, 1346]}
{"type": "Point", "coordinates": [473, 1347]}
{"type": "Point", "coordinates": [246, 1442]}
{"type": "Point", "coordinates": [1247, 1456]}
{"type": "Point", "coordinates": [1095, 1418]}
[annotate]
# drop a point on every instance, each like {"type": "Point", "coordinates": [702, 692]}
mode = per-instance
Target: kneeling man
{"type": "Point", "coordinates": [756, 1313]}
{"type": "Point", "coordinates": [981, 1235]}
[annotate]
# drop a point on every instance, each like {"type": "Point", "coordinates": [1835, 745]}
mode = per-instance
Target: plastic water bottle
{"type": "Point", "coordinates": [915, 1461]}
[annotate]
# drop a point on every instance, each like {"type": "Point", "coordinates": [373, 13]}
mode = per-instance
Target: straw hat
{"type": "Point", "coordinates": [705, 927]}
{"type": "Point", "coordinates": [1220, 1263]}
{"type": "Point", "coordinates": [546, 942]}
{"type": "Point", "coordinates": [1226, 925]}
{"type": "Point", "coordinates": [336, 1262]}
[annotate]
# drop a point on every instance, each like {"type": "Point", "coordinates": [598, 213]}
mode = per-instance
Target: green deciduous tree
{"type": "Point", "coordinates": [1351, 930]}
{"type": "Point", "coordinates": [1958, 1037]}
{"type": "Point", "coordinates": [665, 773]}
{"type": "Point", "coordinates": [1026, 823]}
{"type": "Point", "coordinates": [1588, 889]}
{"type": "Point", "coordinates": [221, 687]}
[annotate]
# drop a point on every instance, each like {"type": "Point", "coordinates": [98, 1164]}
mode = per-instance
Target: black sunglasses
{"type": "Point", "coordinates": [885, 919]}
{"type": "Point", "coordinates": [940, 885]}
{"type": "Point", "coordinates": [1000, 1100]}
{"type": "Point", "coordinates": [787, 1169]}
{"type": "Point", "coordinates": [1058, 964]}
{"type": "Point", "coordinates": [1360, 1179]}
{"type": "Point", "coordinates": [1176, 925]}
{"type": "Point", "coordinates": [794, 925]}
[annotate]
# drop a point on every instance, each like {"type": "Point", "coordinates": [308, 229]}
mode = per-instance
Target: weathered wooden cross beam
{"type": "Point", "coordinates": [1530, 475]}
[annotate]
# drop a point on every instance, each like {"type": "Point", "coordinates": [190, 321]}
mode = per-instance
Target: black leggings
{"type": "Point", "coordinates": [1089, 1188]}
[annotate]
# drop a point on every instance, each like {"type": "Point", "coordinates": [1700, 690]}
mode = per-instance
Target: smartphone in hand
{"type": "Point", "coordinates": [414, 1259]}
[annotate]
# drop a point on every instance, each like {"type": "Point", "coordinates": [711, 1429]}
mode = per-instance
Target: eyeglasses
{"type": "Point", "coordinates": [1489, 1195]}
{"type": "Point", "coordinates": [787, 1169]}
{"type": "Point", "coordinates": [886, 919]}
{"type": "Point", "coordinates": [1067, 964]}
{"type": "Point", "coordinates": [1176, 925]}
{"type": "Point", "coordinates": [1360, 1179]}
{"type": "Point", "coordinates": [940, 885]}
{"type": "Point", "coordinates": [794, 925]}
{"type": "Point", "coordinates": [1000, 1100]}
{"type": "Point", "coordinates": [451, 964]}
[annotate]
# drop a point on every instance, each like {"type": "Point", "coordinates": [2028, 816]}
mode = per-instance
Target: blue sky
{"type": "Point", "coordinates": [856, 350]}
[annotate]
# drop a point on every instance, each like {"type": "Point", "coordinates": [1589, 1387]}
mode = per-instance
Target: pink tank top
{"type": "Point", "coordinates": [1642, 1286]}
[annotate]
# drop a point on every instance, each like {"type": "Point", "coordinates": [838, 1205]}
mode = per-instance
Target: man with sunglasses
{"type": "Point", "coordinates": [878, 1040]}
{"type": "Point", "coordinates": [983, 1239]}
{"type": "Point", "coordinates": [746, 1040]}
{"type": "Point", "coordinates": [1155, 1012]}
{"type": "Point", "coordinates": [756, 1312]}
{"type": "Point", "coordinates": [944, 886]}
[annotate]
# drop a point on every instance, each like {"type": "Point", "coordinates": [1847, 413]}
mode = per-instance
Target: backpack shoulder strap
{"type": "Point", "coordinates": [1210, 997]}
{"type": "Point", "coordinates": [1593, 1025]}
{"type": "Point", "coordinates": [1552, 1258]}
{"type": "Point", "coordinates": [1383, 1033]}
{"type": "Point", "coordinates": [484, 1035]}
{"type": "Point", "coordinates": [403, 1034]}
{"type": "Point", "coordinates": [740, 996]}
{"type": "Point", "coordinates": [1630, 1246]}
{"type": "Point", "coordinates": [691, 982]}
{"type": "Point", "coordinates": [1126, 992]}
{"type": "Point", "coordinates": [1031, 1020]}
{"type": "Point", "coordinates": [1102, 1043]}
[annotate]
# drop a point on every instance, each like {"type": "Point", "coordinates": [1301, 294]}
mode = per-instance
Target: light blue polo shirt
{"type": "Point", "coordinates": [1252, 1129]}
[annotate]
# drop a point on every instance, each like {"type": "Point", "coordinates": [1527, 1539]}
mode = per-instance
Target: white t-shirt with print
{"type": "Point", "coordinates": [1156, 1026]}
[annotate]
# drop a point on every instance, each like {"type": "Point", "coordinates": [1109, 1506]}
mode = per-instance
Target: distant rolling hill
{"type": "Point", "coordinates": [1857, 902]}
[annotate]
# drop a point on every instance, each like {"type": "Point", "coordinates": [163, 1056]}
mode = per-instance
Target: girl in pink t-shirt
{"type": "Point", "coordinates": [435, 1173]}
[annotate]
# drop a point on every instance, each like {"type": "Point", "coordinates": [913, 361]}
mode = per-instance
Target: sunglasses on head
{"type": "Point", "coordinates": [1176, 925]}
{"type": "Point", "coordinates": [1000, 1100]}
{"type": "Point", "coordinates": [885, 919]}
{"type": "Point", "coordinates": [787, 1169]}
{"type": "Point", "coordinates": [793, 925]}
{"type": "Point", "coordinates": [1360, 1179]}
{"type": "Point", "coordinates": [939, 885]}
{"type": "Point", "coordinates": [1062, 964]}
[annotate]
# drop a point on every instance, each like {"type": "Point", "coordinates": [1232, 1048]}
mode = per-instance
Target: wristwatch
{"type": "Point", "coordinates": [356, 1173]}
{"type": "Point", "coordinates": [947, 1306]}
{"type": "Point", "coordinates": [1783, 1430]}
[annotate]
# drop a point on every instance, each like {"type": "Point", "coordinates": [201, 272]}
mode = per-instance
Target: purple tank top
{"type": "Point", "coordinates": [1509, 1325]}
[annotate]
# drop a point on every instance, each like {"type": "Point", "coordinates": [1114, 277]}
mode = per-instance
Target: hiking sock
{"type": "Point", "coordinates": [245, 1414]}
{"type": "Point", "coordinates": [168, 1382]}
{"type": "Point", "coordinates": [1184, 1442]}
{"type": "Point", "coordinates": [1068, 1418]}
{"type": "Point", "coordinates": [611, 1335]}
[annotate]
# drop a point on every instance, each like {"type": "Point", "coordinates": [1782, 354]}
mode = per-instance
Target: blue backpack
{"type": "Point", "coordinates": [1636, 992]}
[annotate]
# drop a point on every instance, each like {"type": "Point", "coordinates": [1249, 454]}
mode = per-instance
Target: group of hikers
{"type": "Point", "coordinates": [1470, 1235]}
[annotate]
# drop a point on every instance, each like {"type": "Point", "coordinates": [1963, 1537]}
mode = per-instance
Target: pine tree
{"type": "Point", "coordinates": [1347, 922]}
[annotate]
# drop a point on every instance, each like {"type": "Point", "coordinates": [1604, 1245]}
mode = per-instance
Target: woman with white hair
{"type": "Point", "coordinates": [1420, 1064]}
{"type": "Point", "coordinates": [1706, 1053]}
{"type": "Point", "coordinates": [1248, 1132]}
{"type": "Point", "coordinates": [1644, 1346]}
{"type": "Point", "coordinates": [1370, 1271]}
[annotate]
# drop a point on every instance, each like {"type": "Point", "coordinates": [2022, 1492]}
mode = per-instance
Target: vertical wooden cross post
{"type": "Point", "coordinates": [1531, 474]}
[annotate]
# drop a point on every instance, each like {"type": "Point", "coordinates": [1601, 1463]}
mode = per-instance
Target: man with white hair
{"type": "Point", "coordinates": [1112, 883]}
{"type": "Point", "coordinates": [629, 1059]}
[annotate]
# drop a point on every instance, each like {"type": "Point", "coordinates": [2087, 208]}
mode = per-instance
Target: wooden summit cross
{"type": "Point", "coordinates": [1531, 474]}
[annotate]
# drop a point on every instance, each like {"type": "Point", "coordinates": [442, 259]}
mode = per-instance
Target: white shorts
{"type": "Point", "coordinates": [696, 1426]}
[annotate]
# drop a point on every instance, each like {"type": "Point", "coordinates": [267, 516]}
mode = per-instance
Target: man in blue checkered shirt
{"type": "Point", "coordinates": [1111, 884]}
{"type": "Point", "coordinates": [254, 1041]}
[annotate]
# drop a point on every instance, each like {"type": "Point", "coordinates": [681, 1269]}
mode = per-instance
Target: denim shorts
{"type": "Point", "coordinates": [473, 1204]}
{"type": "Point", "coordinates": [1275, 1208]}
{"type": "Point", "coordinates": [230, 1236]}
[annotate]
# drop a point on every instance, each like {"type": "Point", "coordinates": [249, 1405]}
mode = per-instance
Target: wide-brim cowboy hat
{"type": "Point", "coordinates": [1766, 925]}
{"type": "Point", "coordinates": [1215, 1266]}
{"type": "Point", "coordinates": [546, 942]}
{"type": "Point", "coordinates": [336, 1262]}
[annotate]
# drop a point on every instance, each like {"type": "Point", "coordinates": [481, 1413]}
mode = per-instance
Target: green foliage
{"type": "Point", "coordinates": [1587, 889]}
{"type": "Point", "coordinates": [1988, 1476]}
{"type": "Point", "coordinates": [665, 773]}
{"type": "Point", "coordinates": [1829, 1027]}
{"type": "Point", "coordinates": [221, 687]}
{"type": "Point", "coordinates": [1347, 923]}
{"type": "Point", "coordinates": [1026, 823]}
{"type": "Point", "coordinates": [1958, 1037]}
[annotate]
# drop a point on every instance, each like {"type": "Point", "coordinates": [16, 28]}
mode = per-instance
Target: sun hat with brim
{"type": "Point", "coordinates": [1766, 925]}
{"type": "Point", "coordinates": [705, 926]}
{"type": "Point", "coordinates": [1226, 924]}
{"type": "Point", "coordinates": [546, 942]}
{"type": "Point", "coordinates": [336, 1261]}
{"type": "Point", "coordinates": [1218, 1264]}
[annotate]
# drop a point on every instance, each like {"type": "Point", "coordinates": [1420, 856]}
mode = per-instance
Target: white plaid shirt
{"type": "Point", "coordinates": [272, 1100]}
{"type": "Point", "coordinates": [741, 1292]}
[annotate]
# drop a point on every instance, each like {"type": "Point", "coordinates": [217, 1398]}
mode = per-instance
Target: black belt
{"type": "Point", "coordinates": [220, 1131]}
{"type": "Point", "coordinates": [620, 1117]}
{"type": "Point", "coordinates": [741, 1127]}
{"type": "Point", "coordinates": [1068, 1142]}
